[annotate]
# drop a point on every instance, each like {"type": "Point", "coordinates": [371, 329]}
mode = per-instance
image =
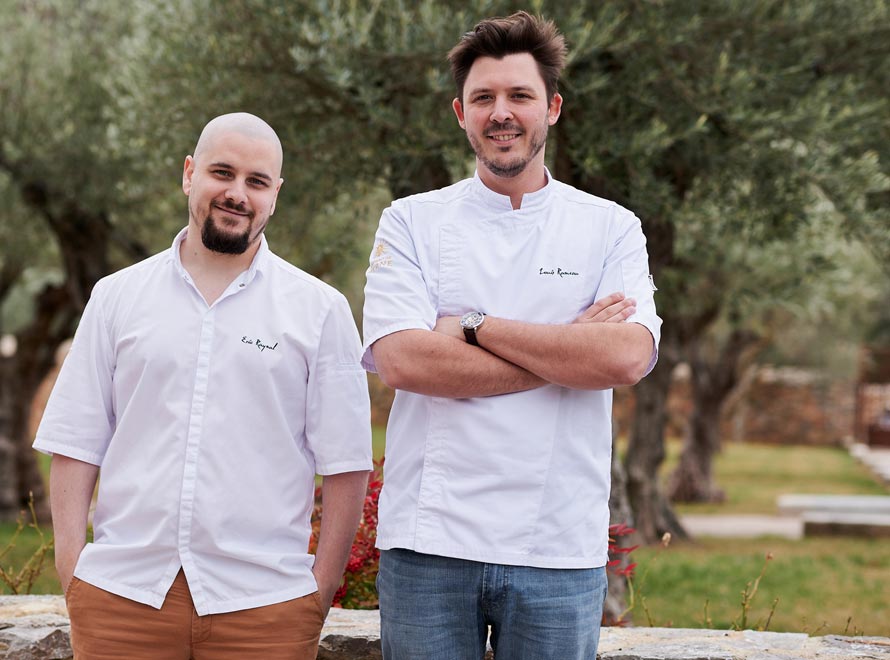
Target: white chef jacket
{"type": "Point", "coordinates": [209, 424]}
{"type": "Point", "coordinates": [522, 478]}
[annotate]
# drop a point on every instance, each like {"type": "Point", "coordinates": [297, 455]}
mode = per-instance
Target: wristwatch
{"type": "Point", "coordinates": [470, 322]}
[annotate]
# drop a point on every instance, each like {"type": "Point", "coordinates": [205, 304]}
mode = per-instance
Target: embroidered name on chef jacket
{"type": "Point", "coordinates": [261, 346]}
{"type": "Point", "coordinates": [557, 272]}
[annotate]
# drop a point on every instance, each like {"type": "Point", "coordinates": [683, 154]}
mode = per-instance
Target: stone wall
{"type": "Point", "coordinates": [36, 628]}
{"type": "Point", "coordinates": [774, 406]}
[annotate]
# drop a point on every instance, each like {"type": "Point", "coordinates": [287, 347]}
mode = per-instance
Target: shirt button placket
{"type": "Point", "coordinates": [193, 442]}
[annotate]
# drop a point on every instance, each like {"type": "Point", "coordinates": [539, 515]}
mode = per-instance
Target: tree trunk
{"type": "Point", "coordinates": [692, 479]}
{"type": "Point", "coordinates": [619, 513]}
{"type": "Point", "coordinates": [54, 321]}
{"type": "Point", "coordinates": [9, 505]}
{"type": "Point", "coordinates": [83, 239]}
{"type": "Point", "coordinates": [653, 516]}
{"type": "Point", "coordinates": [713, 381]}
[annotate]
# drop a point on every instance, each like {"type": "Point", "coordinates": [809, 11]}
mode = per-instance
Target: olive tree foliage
{"type": "Point", "coordinates": [358, 92]}
{"type": "Point", "coordinates": [59, 172]}
{"type": "Point", "coordinates": [730, 128]}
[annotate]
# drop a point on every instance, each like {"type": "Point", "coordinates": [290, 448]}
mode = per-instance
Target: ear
{"type": "Point", "coordinates": [459, 112]}
{"type": "Point", "coordinates": [275, 200]}
{"type": "Point", "coordinates": [554, 109]}
{"type": "Point", "coordinates": [188, 169]}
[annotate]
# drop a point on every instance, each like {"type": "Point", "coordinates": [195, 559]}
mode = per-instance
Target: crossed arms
{"type": "Point", "coordinates": [596, 351]}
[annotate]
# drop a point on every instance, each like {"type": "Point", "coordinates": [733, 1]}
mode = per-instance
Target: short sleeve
{"type": "Point", "coordinates": [626, 269]}
{"type": "Point", "coordinates": [79, 419]}
{"type": "Point", "coordinates": [396, 294]}
{"type": "Point", "coordinates": [338, 409]}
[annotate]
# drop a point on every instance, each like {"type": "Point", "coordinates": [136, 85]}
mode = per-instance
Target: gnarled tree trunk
{"type": "Point", "coordinates": [653, 515]}
{"type": "Point", "coordinates": [619, 513]}
{"type": "Point", "coordinates": [83, 236]}
{"type": "Point", "coordinates": [712, 383]}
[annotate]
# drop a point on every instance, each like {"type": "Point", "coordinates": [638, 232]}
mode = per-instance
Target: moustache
{"type": "Point", "coordinates": [506, 126]}
{"type": "Point", "coordinates": [228, 205]}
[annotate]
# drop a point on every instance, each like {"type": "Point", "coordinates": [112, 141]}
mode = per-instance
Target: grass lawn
{"type": "Point", "coordinates": [378, 438]}
{"type": "Point", "coordinates": [824, 586]}
{"type": "Point", "coordinates": [753, 476]}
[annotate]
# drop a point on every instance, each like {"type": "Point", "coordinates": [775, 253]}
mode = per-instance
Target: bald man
{"type": "Point", "coordinates": [209, 384]}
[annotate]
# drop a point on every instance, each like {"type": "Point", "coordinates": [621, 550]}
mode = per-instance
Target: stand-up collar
{"type": "Point", "coordinates": [498, 201]}
{"type": "Point", "coordinates": [258, 264]}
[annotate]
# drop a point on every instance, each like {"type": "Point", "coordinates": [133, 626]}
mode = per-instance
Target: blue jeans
{"type": "Point", "coordinates": [439, 608]}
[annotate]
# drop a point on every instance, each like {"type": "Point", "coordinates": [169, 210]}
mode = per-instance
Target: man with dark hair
{"type": "Point", "coordinates": [502, 309]}
{"type": "Point", "coordinates": [210, 383]}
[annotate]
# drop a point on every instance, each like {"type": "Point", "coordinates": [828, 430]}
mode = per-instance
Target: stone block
{"type": "Point", "coordinates": [799, 504]}
{"type": "Point", "coordinates": [866, 525]}
{"type": "Point", "coordinates": [36, 628]}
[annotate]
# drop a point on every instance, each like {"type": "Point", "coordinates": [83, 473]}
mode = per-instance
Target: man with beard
{"type": "Point", "coordinates": [210, 383]}
{"type": "Point", "coordinates": [502, 309]}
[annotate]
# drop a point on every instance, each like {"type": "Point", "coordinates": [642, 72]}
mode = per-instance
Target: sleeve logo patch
{"type": "Point", "coordinates": [379, 257]}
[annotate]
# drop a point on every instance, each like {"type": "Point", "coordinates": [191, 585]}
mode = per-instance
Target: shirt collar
{"type": "Point", "coordinates": [502, 202]}
{"type": "Point", "coordinates": [258, 265]}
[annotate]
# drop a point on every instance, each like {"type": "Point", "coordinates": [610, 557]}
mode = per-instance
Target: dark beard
{"type": "Point", "coordinates": [222, 242]}
{"type": "Point", "coordinates": [515, 167]}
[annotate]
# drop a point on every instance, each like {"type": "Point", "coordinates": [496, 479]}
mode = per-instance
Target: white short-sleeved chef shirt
{"type": "Point", "coordinates": [522, 478]}
{"type": "Point", "coordinates": [209, 424]}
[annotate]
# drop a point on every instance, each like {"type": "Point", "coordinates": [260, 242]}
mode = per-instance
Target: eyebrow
{"type": "Point", "coordinates": [515, 88]}
{"type": "Point", "coordinates": [258, 175]}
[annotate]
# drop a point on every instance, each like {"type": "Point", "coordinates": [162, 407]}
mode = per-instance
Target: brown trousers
{"type": "Point", "coordinates": [105, 627]}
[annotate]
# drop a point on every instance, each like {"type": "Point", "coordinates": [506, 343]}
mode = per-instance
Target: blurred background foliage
{"type": "Point", "coordinates": [750, 136]}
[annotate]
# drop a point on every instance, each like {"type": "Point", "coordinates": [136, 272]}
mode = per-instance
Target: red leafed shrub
{"type": "Point", "coordinates": [358, 590]}
{"type": "Point", "coordinates": [618, 564]}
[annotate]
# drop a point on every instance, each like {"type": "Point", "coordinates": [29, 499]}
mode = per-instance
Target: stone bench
{"type": "Point", "coordinates": [36, 628]}
{"type": "Point", "coordinates": [868, 525]}
{"type": "Point", "coordinates": [802, 505]}
{"type": "Point", "coordinates": [839, 515]}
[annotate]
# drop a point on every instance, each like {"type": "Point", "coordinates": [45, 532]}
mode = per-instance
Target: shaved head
{"type": "Point", "coordinates": [244, 124]}
{"type": "Point", "coordinates": [232, 182]}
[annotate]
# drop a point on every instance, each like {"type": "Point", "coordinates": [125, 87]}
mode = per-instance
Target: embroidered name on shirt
{"type": "Point", "coordinates": [557, 272]}
{"type": "Point", "coordinates": [379, 257]}
{"type": "Point", "coordinates": [259, 344]}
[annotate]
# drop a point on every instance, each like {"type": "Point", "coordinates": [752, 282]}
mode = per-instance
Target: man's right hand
{"type": "Point", "coordinates": [614, 308]}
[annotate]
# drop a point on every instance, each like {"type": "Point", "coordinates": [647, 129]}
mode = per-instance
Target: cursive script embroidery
{"type": "Point", "coordinates": [259, 344]}
{"type": "Point", "coordinates": [557, 271]}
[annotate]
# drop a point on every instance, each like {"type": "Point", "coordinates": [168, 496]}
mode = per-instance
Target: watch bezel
{"type": "Point", "coordinates": [472, 320]}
